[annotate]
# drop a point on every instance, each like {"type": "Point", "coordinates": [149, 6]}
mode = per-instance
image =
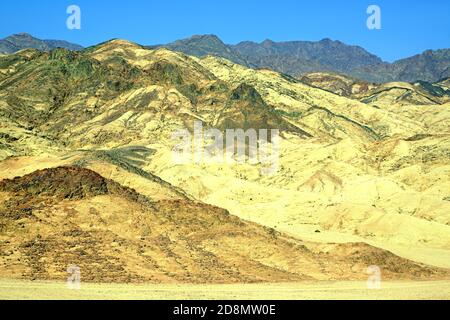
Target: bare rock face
{"type": "Point", "coordinates": [62, 183]}
{"type": "Point", "coordinates": [393, 93]}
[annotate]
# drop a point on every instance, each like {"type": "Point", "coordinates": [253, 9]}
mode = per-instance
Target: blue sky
{"type": "Point", "coordinates": [408, 27]}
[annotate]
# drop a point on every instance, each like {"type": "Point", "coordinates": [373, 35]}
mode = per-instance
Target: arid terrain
{"type": "Point", "coordinates": [339, 290]}
{"type": "Point", "coordinates": [87, 178]}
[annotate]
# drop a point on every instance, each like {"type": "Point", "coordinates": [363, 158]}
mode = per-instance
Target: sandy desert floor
{"type": "Point", "coordinates": [416, 290]}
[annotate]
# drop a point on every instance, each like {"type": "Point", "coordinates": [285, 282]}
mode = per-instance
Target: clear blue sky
{"type": "Point", "coordinates": [408, 27]}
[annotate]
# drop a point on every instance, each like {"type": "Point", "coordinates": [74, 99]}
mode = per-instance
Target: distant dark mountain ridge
{"type": "Point", "coordinates": [298, 57]}
{"type": "Point", "coordinates": [430, 66]}
{"type": "Point", "coordinates": [21, 41]}
{"type": "Point", "coordinates": [203, 45]}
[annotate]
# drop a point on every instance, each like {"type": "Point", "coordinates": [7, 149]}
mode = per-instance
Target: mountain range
{"type": "Point", "coordinates": [87, 175]}
{"type": "Point", "coordinates": [298, 57]}
{"type": "Point", "coordinates": [294, 58]}
{"type": "Point", "coordinates": [21, 41]}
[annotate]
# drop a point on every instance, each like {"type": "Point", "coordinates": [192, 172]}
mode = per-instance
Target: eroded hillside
{"type": "Point", "coordinates": [355, 176]}
{"type": "Point", "coordinates": [56, 217]}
